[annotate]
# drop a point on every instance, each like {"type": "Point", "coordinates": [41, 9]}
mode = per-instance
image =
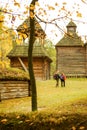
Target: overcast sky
{"type": "Point", "coordinates": [54, 33]}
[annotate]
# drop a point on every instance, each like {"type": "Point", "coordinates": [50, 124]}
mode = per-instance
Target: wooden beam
{"type": "Point", "coordinates": [22, 64]}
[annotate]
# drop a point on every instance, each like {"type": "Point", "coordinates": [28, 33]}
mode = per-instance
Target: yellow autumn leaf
{"type": "Point", "coordinates": [13, 33]}
{"type": "Point", "coordinates": [0, 54]}
{"type": "Point", "coordinates": [73, 128]}
{"type": "Point", "coordinates": [1, 17]}
{"type": "Point", "coordinates": [25, 26]}
{"type": "Point", "coordinates": [32, 7]}
{"type": "Point", "coordinates": [51, 8]}
{"type": "Point", "coordinates": [45, 13]}
{"type": "Point", "coordinates": [70, 33]}
{"type": "Point", "coordinates": [79, 14]}
{"type": "Point", "coordinates": [56, 4]}
{"type": "Point", "coordinates": [18, 41]}
{"type": "Point", "coordinates": [0, 24]}
{"type": "Point", "coordinates": [6, 32]}
{"type": "Point", "coordinates": [4, 120]}
{"type": "Point", "coordinates": [63, 8]}
{"type": "Point", "coordinates": [39, 13]}
{"type": "Point", "coordinates": [31, 14]}
{"type": "Point", "coordinates": [24, 35]}
{"type": "Point", "coordinates": [64, 3]}
{"type": "Point", "coordinates": [18, 117]}
{"type": "Point", "coordinates": [25, 12]}
{"type": "Point", "coordinates": [27, 120]}
{"type": "Point", "coordinates": [1, 66]}
{"type": "Point", "coordinates": [84, 1]}
{"type": "Point", "coordinates": [19, 33]}
{"type": "Point", "coordinates": [82, 128]}
{"type": "Point", "coordinates": [37, 3]}
{"type": "Point", "coordinates": [27, 7]}
{"type": "Point", "coordinates": [5, 10]}
{"type": "Point", "coordinates": [17, 4]}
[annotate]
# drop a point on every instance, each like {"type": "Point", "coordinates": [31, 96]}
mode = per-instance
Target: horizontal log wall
{"type": "Point", "coordinates": [14, 89]}
{"type": "Point", "coordinates": [40, 65]}
{"type": "Point", "coordinates": [46, 70]}
{"type": "Point", "coordinates": [71, 60]}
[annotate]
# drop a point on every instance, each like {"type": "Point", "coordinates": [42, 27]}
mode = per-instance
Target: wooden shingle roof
{"type": "Point", "coordinates": [25, 28]}
{"type": "Point", "coordinates": [22, 51]}
{"type": "Point", "coordinates": [73, 40]}
{"type": "Point", "coordinates": [71, 24]}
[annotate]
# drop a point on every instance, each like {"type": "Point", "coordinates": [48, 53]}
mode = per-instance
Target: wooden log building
{"type": "Point", "coordinates": [71, 53]}
{"type": "Point", "coordinates": [41, 61]}
{"type": "Point", "coordinates": [19, 54]}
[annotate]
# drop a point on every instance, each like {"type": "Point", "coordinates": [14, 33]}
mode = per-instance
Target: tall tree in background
{"type": "Point", "coordinates": [4, 48]}
{"type": "Point", "coordinates": [6, 41]}
{"type": "Point", "coordinates": [50, 48]}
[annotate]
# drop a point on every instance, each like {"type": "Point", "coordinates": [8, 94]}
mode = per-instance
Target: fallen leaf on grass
{"type": "Point", "coordinates": [4, 120]}
{"type": "Point", "coordinates": [73, 128]}
{"type": "Point", "coordinates": [82, 128]}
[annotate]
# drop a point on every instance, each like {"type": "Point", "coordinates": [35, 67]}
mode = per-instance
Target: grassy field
{"type": "Point", "coordinates": [72, 98]}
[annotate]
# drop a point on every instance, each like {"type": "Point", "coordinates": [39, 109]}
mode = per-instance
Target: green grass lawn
{"type": "Point", "coordinates": [72, 98]}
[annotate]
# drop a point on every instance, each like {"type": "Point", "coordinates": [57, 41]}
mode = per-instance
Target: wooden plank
{"type": "Point", "coordinates": [22, 64]}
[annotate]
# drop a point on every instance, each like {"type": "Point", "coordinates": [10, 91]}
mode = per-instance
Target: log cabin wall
{"type": "Point", "coordinates": [14, 89]}
{"type": "Point", "coordinates": [41, 66]}
{"type": "Point", "coordinates": [41, 61]}
{"type": "Point", "coordinates": [14, 62]}
{"type": "Point", "coordinates": [71, 53]}
{"type": "Point", "coordinates": [38, 65]}
{"type": "Point", "coordinates": [71, 60]}
{"type": "Point", "coordinates": [47, 70]}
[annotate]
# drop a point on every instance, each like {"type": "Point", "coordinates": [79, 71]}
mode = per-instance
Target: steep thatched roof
{"type": "Point", "coordinates": [22, 51]}
{"type": "Point", "coordinates": [25, 28]}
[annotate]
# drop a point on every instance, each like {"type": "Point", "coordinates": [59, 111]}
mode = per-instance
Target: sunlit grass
{"type": "Point", "coordinates": [69, 98]}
